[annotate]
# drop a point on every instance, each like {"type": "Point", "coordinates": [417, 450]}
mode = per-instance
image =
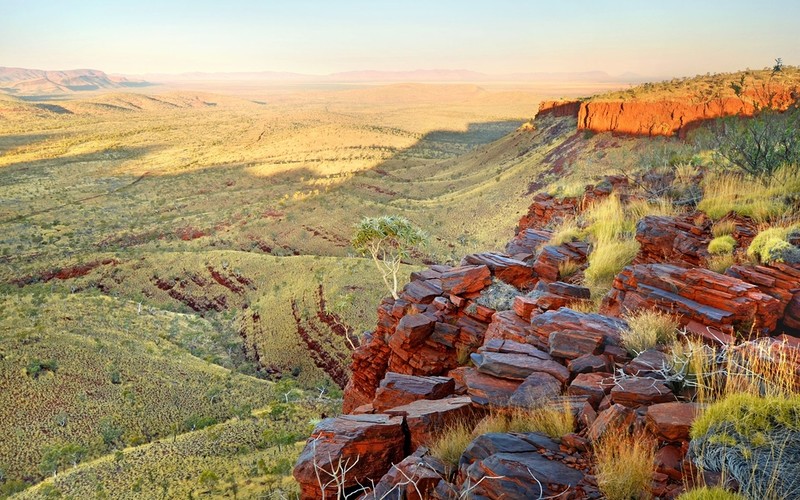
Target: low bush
{"type": "Point", "coordinates": [498, 296]}
{"type": "Point", "coordinates": [772, 245]}
{"type": "Point", "coordinates": [722, 245]}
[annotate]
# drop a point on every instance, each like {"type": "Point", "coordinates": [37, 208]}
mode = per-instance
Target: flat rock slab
{"type": "Point", "coordinates": [488, 390]}
{"type": "Point", "coordinates": [503, 267]}
{"type": "Point", "coordinates": [466, 279]}
{"type": "Point", "coordinates": [595, 386]}
{"type": "Point", "coordinates": [571, 344]}
{"type": "Point", "coordinates": [397, 389]}
{"type": "Point", "coordinates": [639, 391]}
{"type": "Point", "coordinates": [567, 319]}
{"type": "Point", "coordinates": [589, 363]}
{"type": "Point", "coordinates": [516, 473]}
{"type": "Point", "coordinates": [614, 418]}
{"type": "Point", "coordinates": [672, 421]}
{"type": "Point", "coordinates": [372, 442]}
{"type": "Point", "coordinates": [415, 478]}
{"type": "Point", "coordinates": [650, 363]}
{"type": "Point", "coordinates": [517, 366]}
{"type": "Point", "coordinates": [535, 389]}
{"type": "Point", "coordinates": [426, 418]}
{"type": "Point", "coordinates": [507, 325]}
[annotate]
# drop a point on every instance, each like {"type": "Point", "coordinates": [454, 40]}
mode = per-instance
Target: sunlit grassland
{"type": "Point", "coordinates": [73, 365]}
{"type": "Point", "coordinates": [246, 458]}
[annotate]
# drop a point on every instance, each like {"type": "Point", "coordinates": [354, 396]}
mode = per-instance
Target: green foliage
{"type": "Point", "coordinates": [58, 457]}
{"type": "Point", "coordinates": [710, 493]}
{"type": "Point", "coordinates": [36, 367]}
{"type": "Point", "coordinates": [749, 416]}
{"type": "Point", "coordinates": [388, 239]}
{"type": "Point", "coordinates": [772, 245]}
{"type": "Point", "coordinates": [722, 245]}
{"type": "Point", "coordinates": [762, 145]}
{"type": "Point", "coordinates": [498, 296]}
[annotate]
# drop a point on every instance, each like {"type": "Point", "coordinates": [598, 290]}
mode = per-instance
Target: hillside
{"type": "Point", "coordinates": [638, 337]}
{"type": "Point", "coordinates": [214, 229]}
{"type": "Point", "coordinates": [24, 81]}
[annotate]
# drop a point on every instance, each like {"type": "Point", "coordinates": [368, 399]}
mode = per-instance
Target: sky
{"type": "Point", "coordinates": [667, 38]}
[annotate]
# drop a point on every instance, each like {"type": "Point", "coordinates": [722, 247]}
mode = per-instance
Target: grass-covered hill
{"type": "Point", "coordinates": [162, 255]}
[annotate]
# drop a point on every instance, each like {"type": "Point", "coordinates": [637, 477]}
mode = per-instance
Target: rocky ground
{"type": "Point", "coordinates": [438, 356]}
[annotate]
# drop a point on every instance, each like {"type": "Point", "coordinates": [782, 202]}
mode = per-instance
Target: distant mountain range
{"type": "Point", "coordinates": [420, 75]}
{"type": "Point", "coordinates": [22, 81]}
{"type": "Point", "coordinates": [35, 81]}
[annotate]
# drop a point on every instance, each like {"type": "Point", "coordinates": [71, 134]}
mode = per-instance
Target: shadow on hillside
{"type": "Point", "coordinates": [9, 142]}
{"type": "Point", "coordinates": [22, 171]}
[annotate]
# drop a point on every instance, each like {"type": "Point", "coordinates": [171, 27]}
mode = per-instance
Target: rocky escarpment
{"type": "Point", "coordinates": [443, 353]}
{"type": "Point", "coordinates": [671, 117]}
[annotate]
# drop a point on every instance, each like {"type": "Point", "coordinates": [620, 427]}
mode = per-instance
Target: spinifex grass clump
{"type": "Point", "coordinates": [552, 418]}
{"type": "Point", "coordinates": [625, 465]}
{"type": "Point", "coordinates": [772, 245]}
{"type": "Point", "coordinates": [753, 439]}
{"type": "Point", "coordinates": [706, 493]}
{"type": "Point", "coordinates": [763, 199]}
{"type": "Point", "coordinates": [611, 226]}
{"type": "Point", "coordinates": [722, 245]}
{"type": "Point", "coordinates": [648, 329]}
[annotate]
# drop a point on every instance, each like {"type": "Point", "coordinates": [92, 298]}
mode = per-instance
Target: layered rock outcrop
{"type": "Point", "coordinates": [440, 355]}
{"type": "Point", "coordinates": [672, 117]}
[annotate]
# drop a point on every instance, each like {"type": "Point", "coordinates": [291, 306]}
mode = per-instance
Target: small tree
{"type": "Point", "coordinates": [388, 239]}
{"type": "Point", "coordinates": [760, 146]}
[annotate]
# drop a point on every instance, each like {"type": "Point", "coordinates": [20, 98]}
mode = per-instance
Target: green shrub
{"type": "Point", "coordinates": [772, 245]}
{"type": "Point", "coordinates": [722, 245]}
{"type": "Point", "coordinates": [498, 296]}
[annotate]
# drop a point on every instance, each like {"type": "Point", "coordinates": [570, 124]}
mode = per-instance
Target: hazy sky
{"type": "Point", "coordinates": [671, 37]}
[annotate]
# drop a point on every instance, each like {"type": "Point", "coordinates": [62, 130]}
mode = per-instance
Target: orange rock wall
{"type": "Point", "coordinates": [668, 117]}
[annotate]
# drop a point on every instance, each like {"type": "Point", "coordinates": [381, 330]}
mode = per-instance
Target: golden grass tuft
{"type": "Point", "coordinates": [723, 228]}
{"type": "Point", "coordinates": [625, 465]}
{"type": "Point", "coordinates": [648, 329]}
{"type": "Point", "coordinates": [566, 232]}
{"type": "Point", "coordinates": [450, 444]}
{"type": "Point", "coordinates": [567, 268]}
{"type": "Point", "coordinates": [552, 418]}
{"type": "Point", "coordinates": [607, 260]}
{"type": "Point", "coordinates": [762, 199]}
{"type": "Point", "coordinates": [720, 263]}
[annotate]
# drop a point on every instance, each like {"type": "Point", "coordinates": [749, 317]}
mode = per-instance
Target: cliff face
{"type": "Point", "coordinates": [670, 117]}
{"type": "Point", "coordinates": [558, 109]}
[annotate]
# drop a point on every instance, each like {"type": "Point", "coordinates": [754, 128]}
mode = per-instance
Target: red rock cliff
{"type": "Point", "coordinates": [669, 117]}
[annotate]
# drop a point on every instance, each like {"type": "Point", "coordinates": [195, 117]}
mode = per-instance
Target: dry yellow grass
{"type": "Point", "coordinates": [625, 465]}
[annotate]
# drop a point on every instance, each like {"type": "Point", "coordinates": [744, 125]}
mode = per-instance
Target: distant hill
{"type": "Point", "coordinates": [35, 81]}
